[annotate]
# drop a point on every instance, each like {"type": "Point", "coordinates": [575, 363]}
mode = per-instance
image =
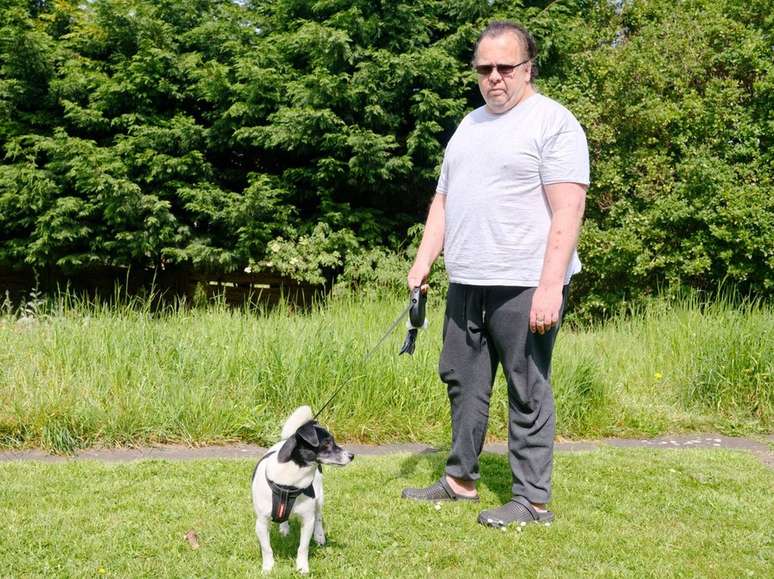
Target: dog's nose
{"type": "Point", "coordinates": [351, 456]}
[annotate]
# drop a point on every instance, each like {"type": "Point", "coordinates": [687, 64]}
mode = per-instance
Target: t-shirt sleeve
{"type": "Point", "coordinates": [443, 178]}
{"type": "Point", "coordinates": [565, 155]}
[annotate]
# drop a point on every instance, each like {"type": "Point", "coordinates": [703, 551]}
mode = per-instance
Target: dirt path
{"type": "Point", "coordinates": [764, 449]}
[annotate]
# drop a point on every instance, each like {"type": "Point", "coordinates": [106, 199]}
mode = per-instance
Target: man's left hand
{"type": "Point", "coordinates": [546, 305]}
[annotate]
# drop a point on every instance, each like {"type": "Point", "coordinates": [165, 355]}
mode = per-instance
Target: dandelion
{"type": "Point", "coordinates": [659, 375]}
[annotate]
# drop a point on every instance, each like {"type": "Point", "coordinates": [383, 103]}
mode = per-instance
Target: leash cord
{"type": "Point", "coordinates": [367, 356]}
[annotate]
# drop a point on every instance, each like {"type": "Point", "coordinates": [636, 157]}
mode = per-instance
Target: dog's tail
{"type": "Point", "coordinates": [300, 416]}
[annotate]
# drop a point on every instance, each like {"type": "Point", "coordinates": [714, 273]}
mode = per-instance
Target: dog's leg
{"type": "Point", "coordinates": [284, 529]}
{"type": "Point", "coordinates": [319, 531]}
{"type": "Point", "coordinates": [262, 530]}
{"type": "Point", "coordinates": [302, 558]}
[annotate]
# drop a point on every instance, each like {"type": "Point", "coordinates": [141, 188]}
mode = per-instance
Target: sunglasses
{"type": "Point", "coordinates": [502, 69]}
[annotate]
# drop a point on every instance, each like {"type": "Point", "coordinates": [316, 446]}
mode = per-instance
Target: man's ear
{"type": "Point", "coordinates": [309, 433]}
{"type": "Point", "coordinates": [287, 449]}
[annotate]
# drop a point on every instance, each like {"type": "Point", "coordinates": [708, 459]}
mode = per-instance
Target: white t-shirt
{"type": "Point", "coordinates": [493, 173]}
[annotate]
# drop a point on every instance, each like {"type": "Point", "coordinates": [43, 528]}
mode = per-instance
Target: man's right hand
{"type": "Point", "coordinates": [417, 277]}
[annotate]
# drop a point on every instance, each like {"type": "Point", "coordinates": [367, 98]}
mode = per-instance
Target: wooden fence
{"type": "Point", "coordinates": [163, 285]}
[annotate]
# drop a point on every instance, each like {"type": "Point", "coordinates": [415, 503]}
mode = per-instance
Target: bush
{"type": "Point", "coordinates": [308, 135]}
{"type": "Point", "coordinates": [677, 107]}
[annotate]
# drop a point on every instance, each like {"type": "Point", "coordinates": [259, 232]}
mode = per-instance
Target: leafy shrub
{"type": "Point", "coordinates": [308, 135]}
{"type": "Point", "coordinates": [310, 257]}
{"type": "Point", "coordinates": [677, 107]}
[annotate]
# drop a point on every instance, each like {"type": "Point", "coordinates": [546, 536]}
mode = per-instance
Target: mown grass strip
{"type": "Point", "coordinates": [622, 513]}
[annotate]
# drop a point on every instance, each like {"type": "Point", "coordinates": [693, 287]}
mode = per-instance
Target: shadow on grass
{"type": "Point", "coordinates": [496, 475]}
{"type": "Point", "coordinates": [434, 459]}
{"type": "Point", "coordinates": [287, 547]}
{"type": "Point", "coordinates": [495, 471]}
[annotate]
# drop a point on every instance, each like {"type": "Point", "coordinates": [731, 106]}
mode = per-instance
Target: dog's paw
{"type": "Point", "coordinates": [267, 567]}
{"type": "Point", "coordinates": [303, 568]}
{"type": "Point", "coordinates": [319, 537]}
{"type": "Point", "coordinates": [284, 529]}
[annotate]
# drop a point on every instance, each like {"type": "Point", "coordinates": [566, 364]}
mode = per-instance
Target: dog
{"type": "Point", "coordinates": [288, 481]}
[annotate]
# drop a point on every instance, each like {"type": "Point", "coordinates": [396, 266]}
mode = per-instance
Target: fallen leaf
{"type": "Point", "coordinates": [192, 538]}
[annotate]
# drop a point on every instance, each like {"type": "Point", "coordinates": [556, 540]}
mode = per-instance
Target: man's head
{"type": "Point", "coordinates": [512, 49]}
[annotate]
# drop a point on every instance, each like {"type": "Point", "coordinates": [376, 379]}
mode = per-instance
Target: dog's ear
{"type": "Point", "coordinates": [287, 449]}
{"type": "Point", "coordinates": [309, 433]}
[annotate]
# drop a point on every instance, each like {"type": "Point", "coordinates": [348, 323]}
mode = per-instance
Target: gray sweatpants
{"type": "Point", "coordinates": [484, 327]}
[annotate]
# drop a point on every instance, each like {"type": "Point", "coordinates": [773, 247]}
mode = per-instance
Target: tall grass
{"type": "Point", "coordinates": [687, 363]}
{"type": "Point", "coordinates": [83, 373]}
{"type": "Point", "coordinates": [75, 373]}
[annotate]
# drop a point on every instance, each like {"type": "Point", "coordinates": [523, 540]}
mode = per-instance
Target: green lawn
{"type": "Point", "coordinates": [632, 512]}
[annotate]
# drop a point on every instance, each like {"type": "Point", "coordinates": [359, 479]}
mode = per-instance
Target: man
{"type": "Point", "coordinates": [507, 213]}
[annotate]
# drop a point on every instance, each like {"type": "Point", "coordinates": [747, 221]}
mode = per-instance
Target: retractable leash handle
{"type": "Point", "coordinates": [416, 320]}
{"type": "Point", "coordinates": [417, 310]}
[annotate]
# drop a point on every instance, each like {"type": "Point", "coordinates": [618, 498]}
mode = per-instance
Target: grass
{"type": "Point", "coordinates": [75, 374]}
{"type": "Point", "coordinates": [679, 365]}
{"type": "Point", "coordinates": [620, 513]}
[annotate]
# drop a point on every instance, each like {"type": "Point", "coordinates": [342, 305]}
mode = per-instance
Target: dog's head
{"type": "Point", "coordinates": [311, 444]}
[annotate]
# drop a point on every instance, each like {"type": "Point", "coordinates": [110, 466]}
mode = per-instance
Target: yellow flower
{"type": "Point", "coordinates": [659, 375]}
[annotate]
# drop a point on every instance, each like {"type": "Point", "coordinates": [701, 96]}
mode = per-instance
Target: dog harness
{"type": "Point", "coordinates": [283, 496]}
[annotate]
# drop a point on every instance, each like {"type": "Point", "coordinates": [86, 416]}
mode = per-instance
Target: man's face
{"type": "Point", "coordinates": [503, 91]}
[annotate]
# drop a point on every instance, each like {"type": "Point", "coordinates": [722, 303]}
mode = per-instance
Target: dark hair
{"type": "Point", "coordinates": [498, 28]}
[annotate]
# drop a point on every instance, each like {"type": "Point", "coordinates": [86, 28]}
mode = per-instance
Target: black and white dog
{"type": "Point", "coordinates": [288, 481]}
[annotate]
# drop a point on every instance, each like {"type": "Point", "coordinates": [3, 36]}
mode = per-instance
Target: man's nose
{"type": "Point", "coordinates": [495, 75]}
